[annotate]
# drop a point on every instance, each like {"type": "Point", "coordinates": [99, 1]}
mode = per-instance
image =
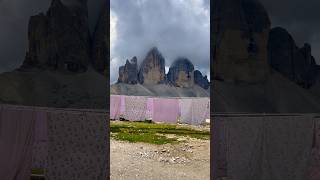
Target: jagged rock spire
{"type": "Point", "coordinates": [152, 69]}
{"type": "Point", "coordinates": [101, 39]}
{"type": "Point", "coordinates": [297, 64]}
{"type": "Point", "coordinates": [241, 29]}
{"type": "Point", "coordinates": [59, 40]}
{"type": "Point", "coordinates": [129, 72]}
{"type": "Point", "coordinates": [181, 73]}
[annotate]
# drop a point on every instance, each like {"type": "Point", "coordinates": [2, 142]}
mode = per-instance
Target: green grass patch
{"type": "Point", "coordinates": [37, 171]}
{"type": "Point", "coordinates": [153, 133]}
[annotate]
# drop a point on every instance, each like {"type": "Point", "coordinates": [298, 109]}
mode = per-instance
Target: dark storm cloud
{"type": "Point", "coordinates": [94, 7]}
{"type": "Point", "coordinates": [176, 27]}
{"type": "Point", "coordinates": [14, 17]}
{"type": "Point", "coordinates": [300, 18]}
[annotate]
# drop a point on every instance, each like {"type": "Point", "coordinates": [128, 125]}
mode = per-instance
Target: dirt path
{"type": "Point", "coordinates": [187, 160]}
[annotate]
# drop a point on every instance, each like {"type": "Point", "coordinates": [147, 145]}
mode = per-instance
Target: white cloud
{"type": "Point", "coordinates": [14, 18]}
{"type": "Point", "coordinates": [176, 27]}
{"type": "Point", "coordinates": [113, 31]}
{"type": "Point", "coordinates": [167, 69]}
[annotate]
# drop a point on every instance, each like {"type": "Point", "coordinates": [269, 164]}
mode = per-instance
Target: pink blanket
{"type": "Point", "coordinates": [165, 110]}
{"type": "Point", "coordinates": [40, 145]}
{"type": "Point", "coordinates": [115, 105]}
{"type": "Point", "coordinates": [194, 110]}
{"type": "Point", "coordinates": [135, 108]}
{"type": "Point", "coordinates": [262, 147]}
{"type": "Point", "coordinates": [41, 126]}
{"type": "Point", "coordinates": [16, 140]}
{"type": "Point", "coordinates": [149, 111]}
{"type": "Point", "coordinates": [314, 165]}
{"type": "Point", "coordinates": [77, 145]}
{"type": "Point", "coordinates": [186, 110]}
{"type": "Point", "coordinates": [200, 110]}
{"type": "Point", "coordinates": [139, 108]}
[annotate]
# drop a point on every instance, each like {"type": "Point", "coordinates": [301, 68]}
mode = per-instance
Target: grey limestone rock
{"type": "Point", "coordinates": [181, 73]}
{"type": "Point", "coordinates": [200, 80]}
{"type": "Point", "coordinates": [129, 72]}
{"type": "Point", "coordinates": [152, 69]}
{"type": "Point", "coordinates": [100, 46]}
{"type": "Point", "coordinates": [60, 40]}
{"type": "Point", "coordinates": [240, 38]}
{"type": "Point", "coordinates": [297, 64]}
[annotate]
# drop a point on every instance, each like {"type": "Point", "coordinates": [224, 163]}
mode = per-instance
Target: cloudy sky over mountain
{"type": "Point", "coordinates": [300, 18]}
{"type": "Point", "coordinates": [14, 18]}
{"type": "Point", "coordinates": [176, 27]}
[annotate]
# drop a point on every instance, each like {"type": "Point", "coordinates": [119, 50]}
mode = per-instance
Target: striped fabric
{"type": "Point", "coordinates": [167, 110]}
{"type": "Point", "coordinates": [55, 139]}
{"type": "Point", "coordinates": [263, 147]}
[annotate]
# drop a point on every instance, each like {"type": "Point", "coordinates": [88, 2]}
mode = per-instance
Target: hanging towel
{"type": "Point", "coordinates": [115, 105]}
{"type": "Point", "coordinates": [77, 146]}
{"type": "Point", "coordinates": [200, 108]}
{"type": "Point", "coordinates": [185, 106]}
{"type": "Point", "coordinates": [149, 111]}
{"type": "Point", "coordinates": [314, 165]}
{"type": "Point", "coordinates": [136, 108]}
{"type": "Point", "coordinates": [263, 148]}
{"type": "Point", "coordinates": [40, 145]}
{"type": "Point", "coordinates": [165, 110]}
{"type": "Point", "coordinates": [16, 140]}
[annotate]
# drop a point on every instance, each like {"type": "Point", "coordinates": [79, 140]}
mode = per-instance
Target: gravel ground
{"type": "Point", "coordinates": [190, 159]}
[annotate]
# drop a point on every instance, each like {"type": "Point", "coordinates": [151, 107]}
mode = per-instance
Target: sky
{"type": "Point", "coordinates": [300, 18]}
{"type": "Point", "coordinates": [178, 28]}
{"type": "Point", "coordinates": [14, 18]}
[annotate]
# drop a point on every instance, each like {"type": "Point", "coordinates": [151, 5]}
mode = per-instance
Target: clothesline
{"type": "Point", "coordinates": [261, 114]}
{"type": "Point", "coordinates": [166, 97]}
{"type": "Point", "coordinates": [52, 108]}
{"type": "Point", "coordinates": [249, 147]}
{"type": "Point", "coordinates": [159, 109]}
{"type": "Point", "coordinates": [33, 137]}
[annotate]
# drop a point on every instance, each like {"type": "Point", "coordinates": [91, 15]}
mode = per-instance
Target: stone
{"type": "Point", "coordinates": [181, 73]}
{"type": "Point", "coordinates": [37, 32]}
{"type": "Point", "coordinates": [100, 46]}
{"type": "Point", "coordinates": [129, 72]}
{"type": "Point", "coordinates": [60, 40]}
{"type": "Point", "coordinates": [240, 38]}
{"type": "Point", "coordinates": [152, 72]}
{"type": "Point", "coordinates": [200, 80]}
{"type": "Point", "coordinates": [152, 69]}
{"type": "Point", "coordinates": [296, 64]}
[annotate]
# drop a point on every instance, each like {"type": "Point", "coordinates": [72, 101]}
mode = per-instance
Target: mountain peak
{"type": "Point", "coordinates": [244, 57]}
{"type": "Point", "coordinates": [152, 69]}
{"type": "Point", "coordinates": [56, 3]}
{"type": "Point", "coordinates": [181, 73]}
{"type": "Point", "coordinates": [59, 40]}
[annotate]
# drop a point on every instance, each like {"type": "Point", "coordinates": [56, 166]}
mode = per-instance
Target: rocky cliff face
{"type": "Point", "coordinates": [152, 72]}
{"type": "Point", "coordinates": [200, 80]}
{"type": "Point", "coordinates": [129, 72]}
{"type": "Point", "coordinates": [38, 47]}
{"type": "Point", "coordinates": [269, 61]}
{"type": "Point", "coordinates": [60, 40]}
{"type": "Point", "coordinates": [181, 73]}
{"type": "Point", "coordinates": [241, 29]}
{"type": "Point", "coordinates": [245, 49]}
{"type": "Point", "coordinates": [100, 49]}
{"type": "Point", "coordinates": [297, 64]}
{"type": "Point", "coordinates": [152, 69]}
